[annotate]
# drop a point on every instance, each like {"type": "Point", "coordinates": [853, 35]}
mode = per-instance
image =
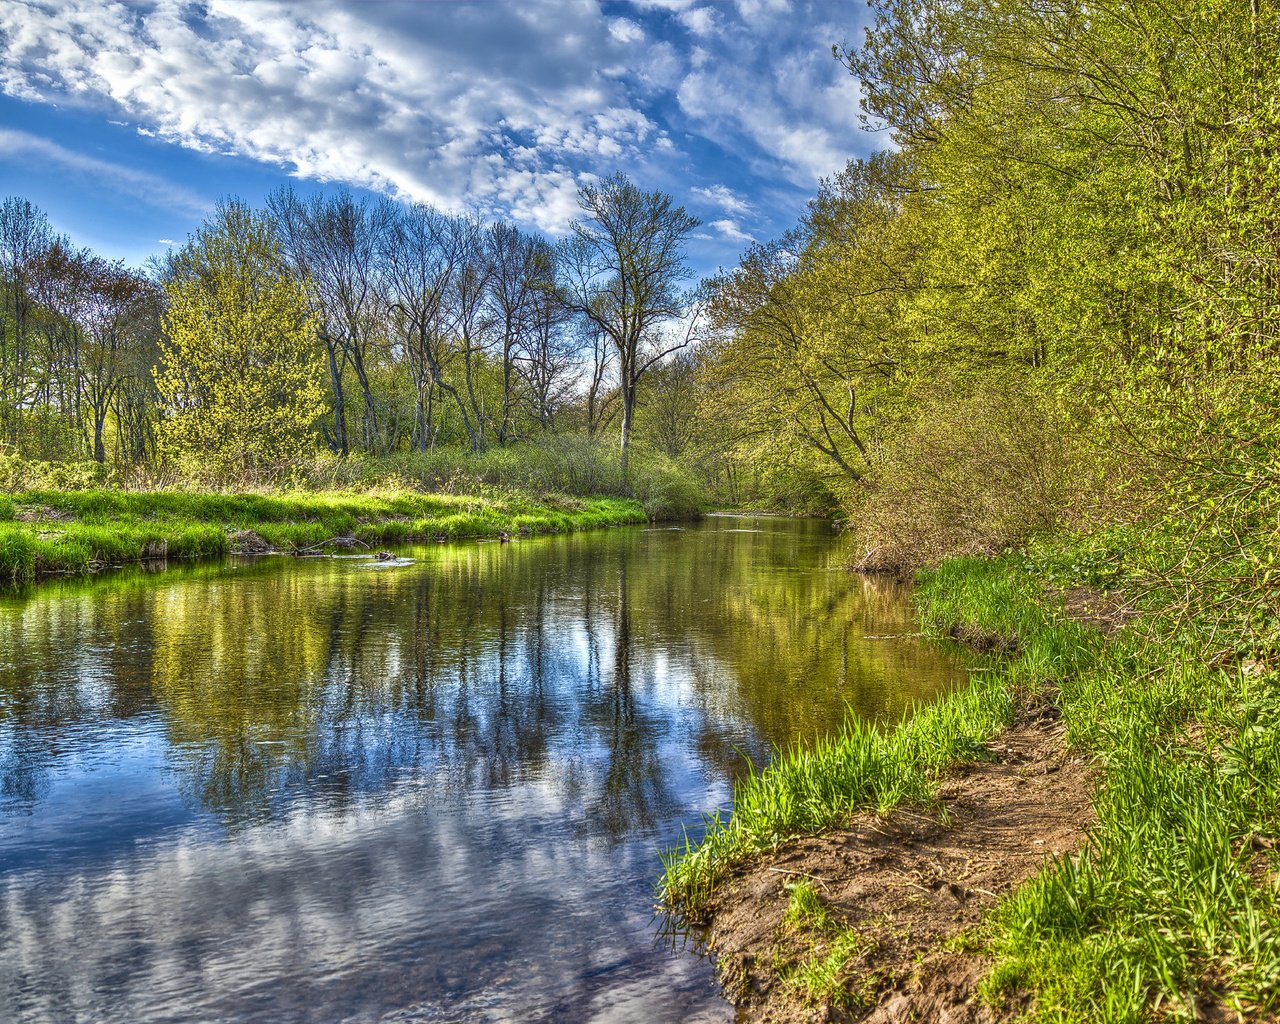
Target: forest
{"type": "Point", "coordinates": [346, 326]}
{"type": "Point", "coordinates": [1026, 351]}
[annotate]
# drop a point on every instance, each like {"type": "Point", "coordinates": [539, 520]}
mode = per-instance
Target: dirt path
{"type": "Point", "coordinates": [907, 884]}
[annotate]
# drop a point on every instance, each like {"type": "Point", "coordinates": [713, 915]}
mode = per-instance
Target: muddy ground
{"type": "Point", "coordinates": [909, 884]}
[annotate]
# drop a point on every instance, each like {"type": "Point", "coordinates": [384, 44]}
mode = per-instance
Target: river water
{"type": "Point", "coordinates": [326, 790]}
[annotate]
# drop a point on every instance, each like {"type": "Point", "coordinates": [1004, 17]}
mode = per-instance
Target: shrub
{"type": "Point", "coordinates": [977, 470]}
{"type": "Point", "coordinates": [665, 490]}
{"type": "Point", "coordinates": [19, 474]}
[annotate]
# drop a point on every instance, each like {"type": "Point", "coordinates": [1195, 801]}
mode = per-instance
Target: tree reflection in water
{"type": "Point", "coordinates": [504, 704]}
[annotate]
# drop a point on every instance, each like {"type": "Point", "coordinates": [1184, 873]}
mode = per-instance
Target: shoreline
{"type": "Point", "coordinates": [1165, 756]}
{"type": "Point", "coordinates": [871, 921]}
{"type": "Point", "coordinates": [49, 534]}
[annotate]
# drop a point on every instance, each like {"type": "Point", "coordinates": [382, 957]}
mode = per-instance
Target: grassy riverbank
{"type": "Point", "coordinates": [48, 532]}
{"type": "Point", "coordinates": [1174, 902]}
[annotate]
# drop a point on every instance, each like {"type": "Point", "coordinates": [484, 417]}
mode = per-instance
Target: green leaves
{"type": "Point", "coordinates": [241, 376]}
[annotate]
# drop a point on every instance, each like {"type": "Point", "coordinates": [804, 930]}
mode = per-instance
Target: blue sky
{"type": "Point", "coordinates": [125, 122]}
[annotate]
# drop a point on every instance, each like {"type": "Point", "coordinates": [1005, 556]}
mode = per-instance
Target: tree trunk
{"type": "Point", "coordinates": [339, 410]}
{"type": "Point", "coordinates": [628, 408]}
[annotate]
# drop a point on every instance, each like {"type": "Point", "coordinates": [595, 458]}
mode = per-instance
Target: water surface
{"type": "Point", "coordinates": [321, 790]}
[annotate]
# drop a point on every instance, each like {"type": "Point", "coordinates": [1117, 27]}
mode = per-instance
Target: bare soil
{"type": "Point", "coordinates": [908, 883]}
{"type": "Point", "coordinates": [1107, 611]}
{"type": "Point", "coordinates": [41, 514]}
{"type": "Point", "coordinates": [248, 542]}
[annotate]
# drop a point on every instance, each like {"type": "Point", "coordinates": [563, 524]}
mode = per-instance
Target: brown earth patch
{"type": "Point", "coordinates": [982, 640]}
{"type": "Point", "coordinates": [1104, 610]}
{"type": "Point", "coordinates": [41, 514]}
{"type": "Point", "coordinates": [908, 884]}
{"type": "Point", "coordinates": [248, 542]}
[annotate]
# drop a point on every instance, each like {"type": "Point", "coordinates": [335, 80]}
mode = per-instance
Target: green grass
{"type": "Point", "coordinates": [77, 532]}
{"type": "Point", "coordinates": [805, 908]}
{"type": "Point", "coordinates": [809, 788]}
{"type": "Point", "coordinates": [826, 971]}
{"type": "Point", "coordinates": [1174, 904]}
{"type": "Point", "coordinates": [824, 977]}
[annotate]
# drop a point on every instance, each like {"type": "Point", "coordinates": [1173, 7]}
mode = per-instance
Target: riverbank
{"type": "Point", "coordinates": [930, 870]}
{"type": "Point", "coordinates": [45, 533]}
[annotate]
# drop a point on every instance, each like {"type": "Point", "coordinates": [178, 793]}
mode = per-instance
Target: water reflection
{"type": "Point", "coordinates": [301, 790]}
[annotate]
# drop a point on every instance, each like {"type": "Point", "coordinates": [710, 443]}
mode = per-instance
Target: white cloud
{"type": "Point", "coordinates": [783, 102]}
{"type": "Point", "coordinates": [625, 31]}
{"type": "Point", "coordinates": [701, 21]}
{"type": "Point", "coordinates": [360, 94]}
{"type": "Point", "coordinates": [149, 188]}
{"type": "Point", "coordinates": [466, 105]}
{"type": "Point", "coordinates": [730, 230]}
{"type": "Point", "coordinates": [725, 198]}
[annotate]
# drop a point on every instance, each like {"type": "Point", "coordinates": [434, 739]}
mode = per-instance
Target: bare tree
{"type": "Point", "coordinates": [334, 242]}
{"type": "Point", "coordinates": [420, 257]}
{"type": "Point", "coordinates": [602, 396]}
{"type": "Point", "coordinates": [621, 270]}
{"type": "Point", "coordinates": [549, 358]}
{"type": "Point", "coordinates": [119, 314]}
{"type": "Point", "coordinates": [472, 319]}
{"type": "Point", "coordinates": [25, 238]}
{"type": "Point", "coordinates": [521, 266]}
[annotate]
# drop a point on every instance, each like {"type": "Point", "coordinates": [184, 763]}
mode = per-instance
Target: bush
{"type": "Point", "coordinates": [665, 490]}
{"type": "Point", "coordinates": [554, 463]}
{"type": "Point", "coordinates": [977, 470]}
{"type": "Point", "coordinates": [19, 474]}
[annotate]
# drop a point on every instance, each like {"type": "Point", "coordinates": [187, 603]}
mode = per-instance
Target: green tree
{"type": "Point", "coordinates": [240, 378]}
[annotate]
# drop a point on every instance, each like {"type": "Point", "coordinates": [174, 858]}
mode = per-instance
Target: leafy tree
{"type": "Point", "coordinates": [240, 377]}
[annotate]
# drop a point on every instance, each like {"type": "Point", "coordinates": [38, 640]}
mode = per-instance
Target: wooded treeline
{"type": "Point", "coordinates": [1057, 293]}
{"type": "Point", "coordinates": [420, 330]}
{"type": "Point", "coordinates": [1054, 297]}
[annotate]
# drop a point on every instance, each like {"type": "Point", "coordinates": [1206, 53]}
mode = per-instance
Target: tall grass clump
{"type": "Point", "coordinates": [17, 553]}
{"type": "Point", "coordinates": [808, 788]}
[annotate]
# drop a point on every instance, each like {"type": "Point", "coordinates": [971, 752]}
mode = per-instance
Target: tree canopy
{"type": "Point", "coordinates": [240, 374]}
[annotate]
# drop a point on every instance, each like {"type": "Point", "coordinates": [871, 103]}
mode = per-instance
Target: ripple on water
{"type": "Point", "coordinates": [296, 790]}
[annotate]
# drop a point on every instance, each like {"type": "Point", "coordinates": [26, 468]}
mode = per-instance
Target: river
{"type": "Point", "coordinates": [332, 790]}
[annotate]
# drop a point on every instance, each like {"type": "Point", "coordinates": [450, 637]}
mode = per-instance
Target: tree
{"type": "Point", "coordinates": [25, 240]}
{"type": "Point", "coordinates": [669, 410]}
{"type": "Point", "coordinates": [549, 358]}
{"type": "Point", "coordinates": [471, 320]}
{"type": "Point", "coordinates": [420, 256]}
{"type": "Point", "coordinates": [240, 377]}
{"type": "Point", "coordinates": [811, 328]}
{"type": "Point", "coordinates": [520, 266]}
{"type": "Point", "coordinates": [109, 313]}
{"type": "Point", "coordinates": [333, 243]}
{"type": "Point", "coordinates": [621, 271]}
